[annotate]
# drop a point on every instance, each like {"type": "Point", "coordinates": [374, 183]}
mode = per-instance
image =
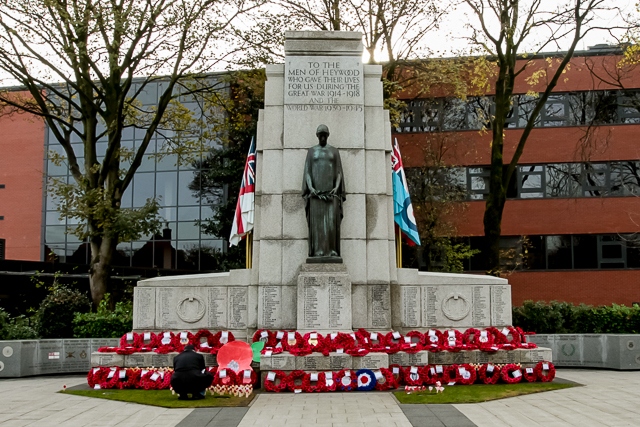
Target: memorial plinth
{"type": "Point", "coordinates": [324, 298]}
{"type": "Point", "coordinates": [322, 81]}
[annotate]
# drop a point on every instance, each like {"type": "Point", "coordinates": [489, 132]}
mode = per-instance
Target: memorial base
{"type": "Point", "coordinates": [324, 298]}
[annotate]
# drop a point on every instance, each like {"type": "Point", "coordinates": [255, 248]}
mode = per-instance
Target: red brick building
{"type": "Point", "coordinates": [575, 193]}
{"type": "Point", "coordinates": [21, 187]}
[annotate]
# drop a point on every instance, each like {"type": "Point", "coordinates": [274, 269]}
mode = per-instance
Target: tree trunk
{"type": "Point", "coordinates": [101, 257]}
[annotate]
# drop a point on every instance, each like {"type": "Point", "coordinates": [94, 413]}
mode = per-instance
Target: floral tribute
{"type": "Point", "coordinates": [160, 378]}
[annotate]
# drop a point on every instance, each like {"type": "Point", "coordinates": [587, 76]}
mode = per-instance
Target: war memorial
{"type": "Point", "coordinates": [324, 291]}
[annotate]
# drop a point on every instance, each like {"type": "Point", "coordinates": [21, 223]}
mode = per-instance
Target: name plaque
{"type": "Point", "coordinates": [324, 299]}
{"type": "Point", "coordinates": [324, 83]}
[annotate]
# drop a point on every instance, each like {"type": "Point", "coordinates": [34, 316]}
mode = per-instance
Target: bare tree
{"type": "Point", "coordinates": [502, 28]}
{"type": "Point", "coordinates": [77, 61]}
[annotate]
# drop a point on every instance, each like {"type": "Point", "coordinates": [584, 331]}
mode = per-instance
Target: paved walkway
{"type": "Point", "coordinates": [610, 398]}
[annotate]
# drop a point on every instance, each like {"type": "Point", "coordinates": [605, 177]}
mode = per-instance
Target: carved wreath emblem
{"type": "Point", "coordinates": [186, 311]}
{"type": "Point", "coordinates": [455, 306]}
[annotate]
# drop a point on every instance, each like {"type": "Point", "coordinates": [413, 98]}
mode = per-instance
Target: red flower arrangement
{"type": "Point", "coordinates": [248, 376]}
{"type": "Point", "coordinates": [393, 342]}
{"type": "Point", "coordinates": [130, 339]}
{"type": "Point", "coordinates": [346, 380]}
{"type": "Point", "coordinates": [502, 338]}
{"type": "Point", "coordinates": [153, 379]}
{"type": "Point", "coordinates": [330, 383]}
{"type": "Point", "coordinates": [377, 342]}
{"type": "Point", "coordinates": [413, 342]}
{"type": "Point", "coordinates": [471, 338]}
{"type": "Point", "coordinates": [433, 340]}
{"type": "Point", "coordinates": [265, 335]}
{"type": "Point", "coordinates": [398, 373]}
{"type": "Point", "coordinates": [179, 340]}
{"type": "Point", "coordinates": [451, 374]}
{"type": "Point", "coordinates": [340, 341]}
{"type": "Point", "coordinates": [275, 381]}
{"type": "Point", "coordinates": [385, 380]}
{"type": "Point", "coordinates": [489, 373]}
{"type": "Point", "coordinates": [225, 377]}
{"type": "Point", "coordinates": [97, 376]}
{"type": "Point", "coordinates": [467, 374]}
{"type": "Point", "coordinates": [107, 349]}
{"type": "Point", "coordinates": [529, 375]}
{"type": "Point", "coordinates": [451, 340]}
{"type": "Point", "coordinates": [317, 342]}
{"type": "Point", "coordinates": [511, 373]}
{"type": "Point", "coordinates": [314, 383]}
{"type": "Point", "coordinates": [203, 341]}
{"type": "Point", "coordinates": [429, 376]}
{"type": "Point", "coordinates": [413, 376]}
{"type": "Point", "coordinates": [131, 380]}
{"type": "Point", "coordinates": [220, 338]}
{"type": "Point", "coordinates": [545, 371]}
{"type": "Point", "coordinates": [166, 342]}
{"type": "Point", "coordinates": [292, 340]}
{"type": "Point", "coordinates": [295, 380]}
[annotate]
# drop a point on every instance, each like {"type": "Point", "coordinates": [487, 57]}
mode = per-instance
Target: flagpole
{"type": "Point", "coordinates": [249, 250]}
{"type": "Point", "coordinates": [398, 247]}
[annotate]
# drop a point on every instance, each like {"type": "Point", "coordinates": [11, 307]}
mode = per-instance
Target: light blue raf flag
{"type": "Point", "coordinates": [402, 208]}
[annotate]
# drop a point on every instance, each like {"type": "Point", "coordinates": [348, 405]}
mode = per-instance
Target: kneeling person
{"type": "Point", "coordinates": [190, 375]}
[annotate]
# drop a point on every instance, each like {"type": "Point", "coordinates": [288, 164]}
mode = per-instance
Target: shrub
{"type": "Point", "coordinates": [16, 328]}
{"type": "Point", "coordinates": [566, 318]}
{"type": "Point", "coordinates": [104, 323]}
{"type": "Point", "coordinates": [54, 318]}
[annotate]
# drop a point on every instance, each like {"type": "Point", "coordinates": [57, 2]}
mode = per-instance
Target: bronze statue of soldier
{"type": "Point", "coordinates": [323, 191]}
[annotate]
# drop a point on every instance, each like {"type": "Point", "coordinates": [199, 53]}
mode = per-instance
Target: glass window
{"type": "Point", "coordinates": [534, 255]}
{"type": "Point", "coordinates": [127, 197]}
{"type": "Point", "coordinates": [188, 230]}
{"type": "Point", "coordinates": [632, 243]}
{"type": "Point", "coordinates": [612, 252]}
{"type": "Point", "coordinates": [478, 182]}
{"type": "Point", "coordinates": [167, 188]}
{"type": "Point", "coordinates": [188, 255]}
{"type": "Point", "coordinates": [191, 213]}
{"type": "Point", "coordinates": [526, 105]}
{"type": "Point", "coordinates": [148, 94]}
{"type": "Point", "coordinates": [188, 183]}
{"type": "Point", "coordinates": [625, 178]}
{"type": "Point", "coordinates": [480, 111]}
{"type": "Point", "coordinates": [562, 180]}
{"type": "Point", "coordinates": [143, 186]}
{"type": "Point", "coordinates": [531, 181]}
{"type": "Point", "coordinates": [585, 251]}
{"type": "Point", "coordinates": [168, 214]}
{"type": "Point", "coordinates": [559, 252]}
{"type": "Point", "coordinates": [454, 117]}
{"type": "Point", "coordinates": [53, 218]}
{"type": "Point", "coordinates": [55, 233]}
{"type": "Point", "coordinates": [629, 107]}
{"type": "Point", "coordinates": [555, 111]}
{"type": "Point", "coordinates": [411, 117]}
{"type": "Point", "coordinates": [595, 179]}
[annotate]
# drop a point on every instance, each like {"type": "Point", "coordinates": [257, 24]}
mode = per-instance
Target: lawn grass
{"type": "Point", "coordinates": [478, 392]}
{"type": "Point", "coordinates": [163, 398]}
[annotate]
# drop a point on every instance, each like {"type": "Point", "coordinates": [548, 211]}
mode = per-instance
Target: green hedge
{"type": "Point", "coordinates": [565, 318]}
{"type": "Point", "coordinates": [104, 323]}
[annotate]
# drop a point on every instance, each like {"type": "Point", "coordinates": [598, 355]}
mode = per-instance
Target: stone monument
{"type": "Point", "coordinates": [323, 81]}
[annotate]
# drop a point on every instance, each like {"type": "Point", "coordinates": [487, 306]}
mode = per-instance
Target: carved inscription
{"type": "Point", "coordinates": [271, 300]}
{"type": "Point", "coordinates": [411, 306]}
{"type": "Point", "coordinates": [145, 308]}
{"type": "Point", "coordinates": [322, 83]}
{"type": "Point", "coordinates": [217, 306]}
{"type": "Point", "coordinates": [500, 306]}
{"type": "Point", "coordinates": [166, 308]}
{"type": "Point", "coordinates": [238, 303]}
{"type": "Point", "coordinates": [380, 306]}
{"type": "Point", "coordinates": [429, 301]}
{"type": "Point", "coordinates": [324, 301]}
{"type": "Point", "coordinates": [480, 310]}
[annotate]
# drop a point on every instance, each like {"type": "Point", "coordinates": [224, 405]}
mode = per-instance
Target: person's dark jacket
{"type": "Point", "coordinates": [188, 376]}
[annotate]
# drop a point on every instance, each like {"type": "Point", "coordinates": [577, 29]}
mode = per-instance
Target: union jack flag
{"type": "Point", "coordinates": [243, 218]}
{"type": "Point", "coordinates": [402, 207]}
